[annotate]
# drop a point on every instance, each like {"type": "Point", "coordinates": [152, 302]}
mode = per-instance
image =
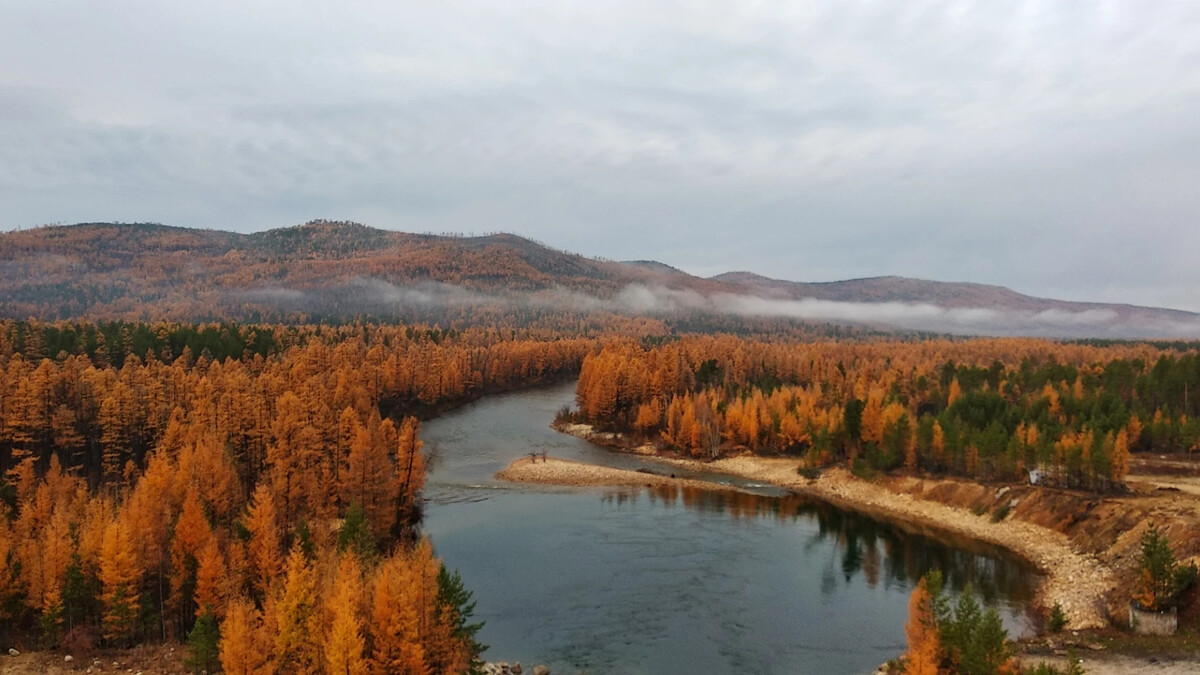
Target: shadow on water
{"type": "Point", "coordinates": [677, 579]}
{"type": "Point", "coordinates": [892, 553]}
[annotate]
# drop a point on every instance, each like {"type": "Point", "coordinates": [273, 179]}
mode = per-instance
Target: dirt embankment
{"type": "Point", "coordinates": [166, 659]}
{"type": "Point", "coordinates": [1086, 545]}
{"type": "Point", "coordinates": [608, 439]}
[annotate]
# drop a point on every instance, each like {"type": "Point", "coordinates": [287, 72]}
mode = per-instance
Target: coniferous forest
{"type": "Point", "coordinates": [986, 409]}
{"type": "Point", "coordinates": [253, 490]}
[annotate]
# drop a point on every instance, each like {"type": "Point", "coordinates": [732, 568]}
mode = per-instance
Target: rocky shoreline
{"type": "Point", "coordinates": [1076, 581]}
{"type": "Point", "coordinates": [565, 472]}
{"type": "Point", "coordinates": [503, 668]}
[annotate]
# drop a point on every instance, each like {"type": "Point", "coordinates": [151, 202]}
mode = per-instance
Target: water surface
{"type": "Point", "coordinates": [675, 580]}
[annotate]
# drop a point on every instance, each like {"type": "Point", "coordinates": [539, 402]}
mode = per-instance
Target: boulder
{"type": "Point", "coordinates": [516, 668]}
{"type": "Point", "coordinates": [13, 652]}
{"type": "Point", "coordinates": [68, 658]}
{"type": "Point", "coordinates": [541, 670]}
{"type": "Point", "coordinates": [1145, 622]}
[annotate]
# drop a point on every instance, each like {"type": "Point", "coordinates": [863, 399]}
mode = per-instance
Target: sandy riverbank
{"type": "Point", "coordinates": [553, 471]}
{"type": "Point", "coordinates": [1076, 581]}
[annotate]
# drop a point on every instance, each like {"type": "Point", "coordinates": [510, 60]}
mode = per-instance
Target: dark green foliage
{"type": "Point", "coordinates": [202, 645]}
{"type": "Point", "coordinates": [1001, 512]}
{"type": "Point", "coordinates": [974, 641]}
{"type": "Point", "coordinates": [709, 374]}
{"type": "Point", "coordinates": [114, 341]}
{"type": "Point", "coordinates": [79, 595]}
{"type": "Point", "coordinates": [303, 536]}
{"type": "Point", "coordinates": [1058, 619]}
{"type": "Point", "coordinates": [809, 472]}
{"type": "Point", "coordinates": [454, 597]}
{"type": "Point", "coordinates": [1163, 578]}
{"type": "Point", "coordinates": [355, 534]}
{"type": "Point", "coordinates": [1074, 667]}
{"type": "Point", "coordinates": [852, 418]}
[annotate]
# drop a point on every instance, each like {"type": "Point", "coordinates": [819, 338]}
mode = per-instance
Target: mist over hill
{"type": "Point", "coordinates": [340, 269]}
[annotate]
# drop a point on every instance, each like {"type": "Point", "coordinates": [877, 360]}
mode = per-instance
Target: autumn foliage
{"type": "Point", "coordinates": [144, 492]}
{"type": "Point", "coordinates": [987, 408]}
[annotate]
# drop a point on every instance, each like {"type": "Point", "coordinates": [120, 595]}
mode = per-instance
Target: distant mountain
{"type": "Point", "coordinates": [889, 289]}
{"type": "Point", "coordinates": [150, 271]}
{"type": "Point", "coordinates": [966, 297]}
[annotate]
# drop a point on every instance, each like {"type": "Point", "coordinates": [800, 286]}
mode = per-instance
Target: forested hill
{"type": "Point", "coordinates": [339, 269]}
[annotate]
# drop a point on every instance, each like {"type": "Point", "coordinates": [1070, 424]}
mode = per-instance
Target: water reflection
{"type": "Point", "coordinates": [894, 554]}
{"type": "Point", "coordinates": [675, 580]}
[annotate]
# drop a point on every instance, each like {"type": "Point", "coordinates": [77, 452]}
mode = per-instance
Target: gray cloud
{"type": "Point", "coordinates": [376, 295]}
{"type": "Point", "coordinates": [1052, 148]}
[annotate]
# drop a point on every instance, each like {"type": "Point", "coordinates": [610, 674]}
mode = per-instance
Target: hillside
{"type": "Point", "coordinates": [150, 271]}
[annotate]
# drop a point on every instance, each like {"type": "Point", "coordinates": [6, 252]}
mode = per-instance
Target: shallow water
{"type": "Point", "coordinates": [675, 580]}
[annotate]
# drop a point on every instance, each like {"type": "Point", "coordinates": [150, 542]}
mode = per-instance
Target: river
{"type": "Point", "coordinates": [675, 580]}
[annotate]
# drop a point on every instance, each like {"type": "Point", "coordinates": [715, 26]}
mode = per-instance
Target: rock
{"type": "Point", "coordinates": [13, 652]}
{"type": "Point", "coordinates": [541, 670]}
{"type": "Point", "coordinates": [516, 668]}
{"type": "Point", "coordinates": [68, 658]}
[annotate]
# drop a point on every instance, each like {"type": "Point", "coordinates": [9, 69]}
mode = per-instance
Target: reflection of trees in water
{"type": "Point", "coordinates": [889, 553]}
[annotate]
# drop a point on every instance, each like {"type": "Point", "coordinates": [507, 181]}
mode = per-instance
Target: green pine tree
{"type": "Point", "coordinates": [454, 595]}
{"type": "Point", "coordinates": [202, 644]}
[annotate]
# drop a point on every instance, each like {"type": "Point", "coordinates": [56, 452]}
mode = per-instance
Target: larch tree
{"type": "Point", "coordinates": [921, 632]}
{"type": "Point", "coordinates": [367, 480]}
{"type": "Point", "coordinates": [396, 620]}
{"type": "Point", "coordinates": [243, 648]}
{"type": "Point", "coordinates": [192, 533]}
{"type": "Point", "coordinates": [344, 648]}
{"type": "Point", "coordinates": [409, 466]}
{"type": "Point", "coordinates": [293, 459]}
{"type": "Point", "coordinates": [295, 648]}
{"type": "Point", "coordinates": [211, 580]}
{"type": "Point", "coordinates": [265, 538]}
{"type": "Point", "coordinates": [119, 575]}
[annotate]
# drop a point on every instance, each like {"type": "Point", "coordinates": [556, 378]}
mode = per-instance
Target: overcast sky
{"type": "Point", "coordinates": [1050, 147]}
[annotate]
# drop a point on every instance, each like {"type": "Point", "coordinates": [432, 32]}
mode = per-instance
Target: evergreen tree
{"type": "Point", "coordinates": [202, 644]}
{"type": "Point", "coordinates": [454, 599]}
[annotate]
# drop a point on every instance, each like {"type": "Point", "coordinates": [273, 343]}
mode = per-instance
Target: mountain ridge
{"type": "Point", "coordinates": [127, 270]}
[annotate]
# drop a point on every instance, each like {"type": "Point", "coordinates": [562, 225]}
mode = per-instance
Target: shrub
{"type": "Point", "coordinates": [973, 641]}
{"type": "Point", "coordinates": [1001, 512]}
{"type": "Point", "coordinates": [809, 472]}
{"type": "Point", "coordinates": [1163, 578]}
{"type": "Point", "coordinates": [1058, 619]}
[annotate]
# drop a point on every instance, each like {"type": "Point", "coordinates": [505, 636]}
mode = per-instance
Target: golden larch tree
{"type": "Point", "coordinates": [344, 649]}
{"type": "Point", "coordinates": [263, 524]}
{"type": "Point", "coordinates": [119, 575]}
{"type": "Point", "coordinates": [244, 649]}
{"type": "Point", "coordinates": [921, 633]}
{"type": "Point", "coordinates": [295, 648]}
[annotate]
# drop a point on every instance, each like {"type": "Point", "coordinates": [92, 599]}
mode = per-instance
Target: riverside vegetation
{"type": "Point", "coordinates": [255, 489]}
{"type": "Point", "coordinates": [1061, 415]}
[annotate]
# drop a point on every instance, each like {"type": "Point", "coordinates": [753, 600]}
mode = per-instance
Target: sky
{"type": "Point", "coordinates": [1053, 148]}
